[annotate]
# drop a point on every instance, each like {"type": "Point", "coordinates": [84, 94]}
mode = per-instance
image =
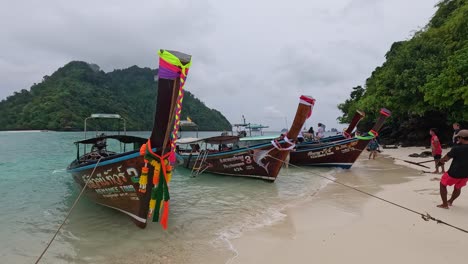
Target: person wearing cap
{"type": "Point", "coordinates": [457, 174]}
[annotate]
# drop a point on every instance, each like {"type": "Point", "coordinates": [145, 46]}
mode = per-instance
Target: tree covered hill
{"type": "Point", "coordinates": [78, 89]}
{"type": "Point", "coordinates": [424, 81]}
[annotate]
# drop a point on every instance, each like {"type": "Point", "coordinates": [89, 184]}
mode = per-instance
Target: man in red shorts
{"type": "Point", "coordinates": [457, 175]}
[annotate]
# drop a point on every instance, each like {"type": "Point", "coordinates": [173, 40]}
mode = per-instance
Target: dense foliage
{"type": "Point", "coordinates": [62, 101]}
{"type": "Point", "coordinates": [424, 80]}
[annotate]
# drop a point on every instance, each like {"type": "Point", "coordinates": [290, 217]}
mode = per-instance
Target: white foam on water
{"type": "Point", "coordinates": [59, 171]}
{"type": "Point", "coordinates": [20, 131]}
{"type": "Point", "coordinates": [270, 217]}
{"type": "Point", "coordinates": [275, 213]}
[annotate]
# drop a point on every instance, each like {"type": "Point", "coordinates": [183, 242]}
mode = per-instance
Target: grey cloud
{"type": "Point", "coordinates": [249, 57]}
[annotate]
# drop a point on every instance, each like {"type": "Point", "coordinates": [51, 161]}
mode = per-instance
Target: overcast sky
{"type": "Point", "coordinates": [250, 57]}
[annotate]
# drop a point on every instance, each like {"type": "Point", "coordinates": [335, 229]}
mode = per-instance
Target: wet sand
{"type": "Point", "coordinates": [341, 225]}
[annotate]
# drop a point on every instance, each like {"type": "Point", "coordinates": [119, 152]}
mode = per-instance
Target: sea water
{"type": "Point", "coordinates": [206, 212]}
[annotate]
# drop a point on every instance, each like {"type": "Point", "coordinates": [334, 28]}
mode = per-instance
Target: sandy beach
{"type": "Point", "coordinates": [340, 225]}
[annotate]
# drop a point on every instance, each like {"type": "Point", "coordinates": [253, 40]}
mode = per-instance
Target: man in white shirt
{"type": "Point", "coordinates": [320, 130]}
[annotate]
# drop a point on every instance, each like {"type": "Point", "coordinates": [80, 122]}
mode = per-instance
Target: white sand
{"type": "Point", "coordinates": [341, 225]}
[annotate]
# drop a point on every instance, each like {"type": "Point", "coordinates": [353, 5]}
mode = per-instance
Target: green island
{"type": "Point", "coordinates": [63, 100]}
{"type": "Point", "coordinates": [424, 81]}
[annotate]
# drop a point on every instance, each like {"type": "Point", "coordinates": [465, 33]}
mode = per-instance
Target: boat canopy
{"type": "Point", "coordinates": [186, 123]}
{"type": "Point", "coordinates": [243, 127]}
{"type": "Point", "coordinates": [105, 116]}
{"type": "Point", "coordinates": [189, 140]}
{"type": "Point", "coordinates": [257, 126]}
{"type": "Point", "coordinates": [210, 140]}
{"type": "Point", "coordinates": [221, 139]}
{"type": "Point", "coordinates": [108, 116]}
{"type": "Point", "coordinates": [268, 137]}
{"type": "Point", "coordinates": [250, 126]}
{"type": "Point", "coordinates": [224, 139]}
{"type": "Point", "coordinates": [122, 138]}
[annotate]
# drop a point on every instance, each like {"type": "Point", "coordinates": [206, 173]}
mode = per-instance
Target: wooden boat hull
{"type": "Point", "coordinates": [114, 184]}
{"type": "Point", "coordinates": [341, 153]}
{"type": "Point", "coordinates": [262, 161]}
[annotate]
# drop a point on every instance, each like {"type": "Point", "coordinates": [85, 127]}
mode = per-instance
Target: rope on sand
{"type": "Point", "coordinates": [69, 212]}
{"type": "Point", "coordinates": [425, 217]}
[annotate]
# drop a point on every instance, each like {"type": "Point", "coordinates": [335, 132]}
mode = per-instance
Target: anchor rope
{"type": "Point", "coordinates": [425, 217]}
{"type": "Point", "coordinates": [69, 212]}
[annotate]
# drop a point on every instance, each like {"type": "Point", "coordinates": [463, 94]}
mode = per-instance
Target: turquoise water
{"type": "Point", "coordinates": [206, 211]}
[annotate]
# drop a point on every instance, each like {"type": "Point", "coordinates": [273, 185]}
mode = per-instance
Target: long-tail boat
{"type": "Point", "coordinates": [339, 152]}
{"type": "Point", "coordinates": [228, 156]}
{"type": "Point", "coordinates": [113, 178]}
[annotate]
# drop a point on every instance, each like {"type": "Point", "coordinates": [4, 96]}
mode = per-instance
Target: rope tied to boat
{"type": "Point", "coordinates": [425, 216]}
{"type": "Point", "coordinates": [346, 134]}
{"type": "Point", "coordinates": [69, 211]}
{"type": "Point", "coordinates": [160, 192]}
{"type": "Point", "coordinates": [278, 146]}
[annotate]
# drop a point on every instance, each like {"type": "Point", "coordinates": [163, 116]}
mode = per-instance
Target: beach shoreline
{"type": "Point", "coordinates": [342, 225]}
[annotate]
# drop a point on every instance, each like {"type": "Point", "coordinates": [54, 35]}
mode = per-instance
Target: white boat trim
{"type": "Point", "coordinates": [125, 212]}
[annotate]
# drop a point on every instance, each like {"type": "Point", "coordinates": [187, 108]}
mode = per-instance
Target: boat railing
{"type": "Point", "coordinates": [104, 116]}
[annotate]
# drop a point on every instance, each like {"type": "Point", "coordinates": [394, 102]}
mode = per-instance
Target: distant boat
{"type": "Point", "coordinates": [134, 180]}
{"type": "Point", "coordinates": [188, 125]}
{"type": "Point", "coordinates": [256, 127]}
{"type": "Point", "coordinates": [245, 129]}
{"type": "Point", "coordinates": [257, 157]}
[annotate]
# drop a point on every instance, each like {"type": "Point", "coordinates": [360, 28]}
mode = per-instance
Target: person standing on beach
{"type": "Point", "coordinates": [457, 174]}
{"type": "Point", "coordinates": [373, 148]}
{"type": "Point", "coordinates": [436, 150]}
{"type": "Point", "coordinates": [456, 129]}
